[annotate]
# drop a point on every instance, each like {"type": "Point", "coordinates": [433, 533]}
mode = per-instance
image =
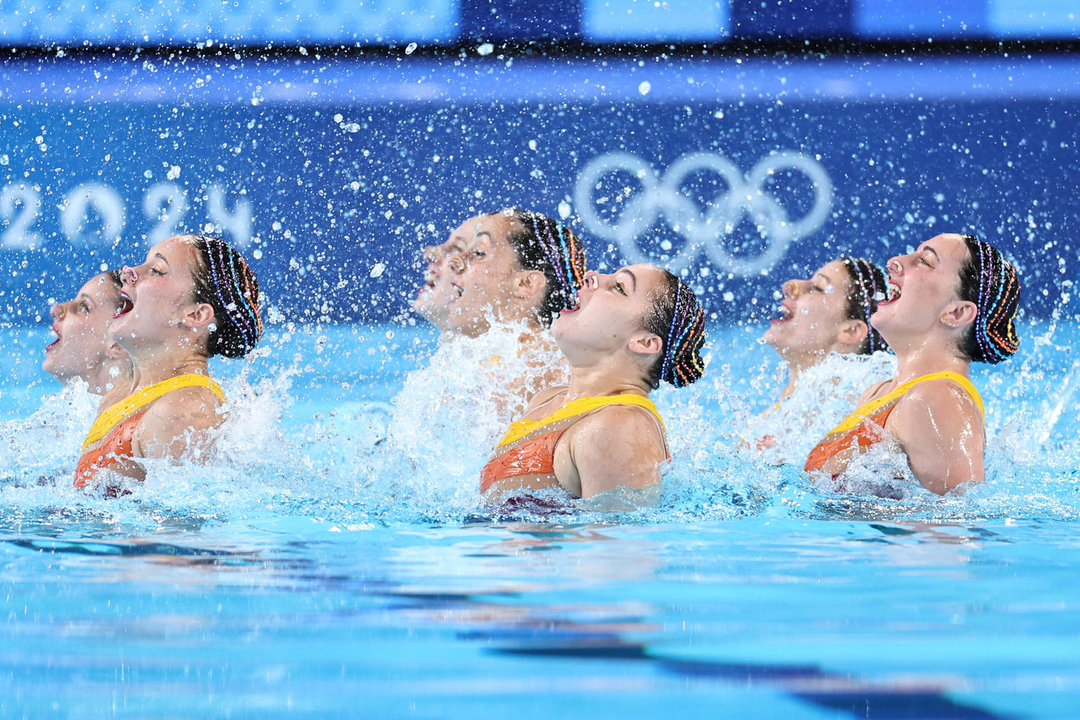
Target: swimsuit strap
{"type": "Point", "coordinates": [580, 406]}
{"type": "Point", "coordinates": [117, 412]}
{"type": "Point", "coordinates": [866, 410]}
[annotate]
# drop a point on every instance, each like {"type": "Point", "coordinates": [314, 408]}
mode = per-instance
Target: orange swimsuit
{"type": "Point", "coordinates": [111, 437]}
{"type": "Point", "coordinates": [532, 452]}
{"type": "Point", "coordinates": [115, 448]}
{"type": "Point", "coordinates": [866, 426]}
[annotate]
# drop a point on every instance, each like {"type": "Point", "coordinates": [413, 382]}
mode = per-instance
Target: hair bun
{"type": "Point", "coordinates": [227, 283]}
{"type": "Point", "coordinates": [990, 281]}
{"type": "Point", "coordinates": [683, 363]}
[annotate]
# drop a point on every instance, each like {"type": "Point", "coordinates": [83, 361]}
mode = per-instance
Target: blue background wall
{"type": "Point", "coordinates": [335, 173]}
{"type": "Point", "coordinates": [378, 22]}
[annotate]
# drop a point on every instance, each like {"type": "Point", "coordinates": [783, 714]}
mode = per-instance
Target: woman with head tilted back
{"type": "Point", "coordinates": [193, 298]}
{"type": "Point", "coordinates": [828, 313]}
{"type": "Point", "coordinates": [824, 337]}
{"type": "Point", "coordinates": [493, 290]}
{"type": "Point", "coordinates": [81, 349]}
{"type": "Point", "coordinates": [951, 302]}
{"type": "Point", "coordinates": [629, 331]}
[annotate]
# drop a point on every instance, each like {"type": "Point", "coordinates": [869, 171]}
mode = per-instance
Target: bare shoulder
{"type": "Point", "coordinates": [935, 406]}
{"type": "Point", "coordinates": [173, 416]}
{"type": "Point", "coordinates": [617, 425]}
{"type": "Point", "coordinates": [618, 445]}
{"type": "Point", "coordinates": [939, 396]}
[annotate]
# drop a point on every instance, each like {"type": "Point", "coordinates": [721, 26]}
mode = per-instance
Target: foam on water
{"type": "Point", "coordinates": [302, 445]}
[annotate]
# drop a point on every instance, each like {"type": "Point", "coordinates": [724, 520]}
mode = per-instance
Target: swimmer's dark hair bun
{"type": "Point", "coordinates": [225, 281]}
{"type": "Point", "coordinates": [552, 247]}
{"type": "Point", "coordinates": [679, 320]}
{"type": "Point", "coordinates": [990, 281]}
{"type": "Point", "coordinates": [867, 282]}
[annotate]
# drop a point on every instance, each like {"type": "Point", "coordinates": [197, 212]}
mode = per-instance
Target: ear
{"type": "Point", "coordinates": [645, 343]}
{"type": "Point", "coordinates": [852, 333]}
{"type": "Point", "coordinates": [198, 315]}
{"type": "Point", "coordinates": [960, 314]}
{"type": "Point", "coordinates": [529, 285]}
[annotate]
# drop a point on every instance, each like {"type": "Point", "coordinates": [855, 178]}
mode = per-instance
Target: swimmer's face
{"type": "Point", "coordinates": [81, 347]}
{"type": "Point", "coordinates": [611, 309]}
{"type": "Point", "coordinates": [159, 294]}
{"type": "Point", "coordinates": [433, 299]}
{"type": "Point", "coordinates": [923, 287]}
{"type": "Point", "coordinates": [482, 278]}
{"type": "Point", "coordinates": [812, 314]}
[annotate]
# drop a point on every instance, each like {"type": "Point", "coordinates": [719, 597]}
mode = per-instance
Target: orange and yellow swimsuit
{"type": "Point", "coordinates": [110, 439]}
{"type": "Point", "coordinates": [865, 427]}
{"type": "Point", "coordinates": [530, 445]}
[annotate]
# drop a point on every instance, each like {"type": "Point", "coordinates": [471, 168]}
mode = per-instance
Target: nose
{"type": "Point", "coordinates": [591, 279]}
{"type": "Point", "coordinates": [128, 275]}
{"type": "Point", "coordinates": [57, 311]}
{"type": "Point", "coordinates": [792, 288]}
{"type": "Point", "coordinates": [431, 254]}
{"type": "Point", "coordinates": [457, 265]}
{"type": "Point", "coordinates": [895, 266]}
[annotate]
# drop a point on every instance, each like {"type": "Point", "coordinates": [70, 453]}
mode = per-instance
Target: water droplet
{"type": "Point", "coordinates": [485, 49]}
{"type": "Point", "coordinates": [410, 48]}
{"type": "Point", "coordinates": [644, 87]}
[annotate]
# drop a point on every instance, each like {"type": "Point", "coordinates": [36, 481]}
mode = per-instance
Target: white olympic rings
{"type": "Point", "coordinates": [704, 230]}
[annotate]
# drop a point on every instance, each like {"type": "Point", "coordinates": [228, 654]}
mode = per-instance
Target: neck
{"type": "Point", "coordinates": [530, 323]}
{"type": "Point", "coordinates": [917, 359]}
{"type": "Point", "coordinates": [602, 379]}
{"type": "Point", "coordinates": [109, 376]}
{"type": "Point", "coordinates": [153, 367]}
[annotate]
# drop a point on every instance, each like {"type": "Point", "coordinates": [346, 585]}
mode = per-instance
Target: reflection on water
{"type": "Point", "coordinates": [603, 610]}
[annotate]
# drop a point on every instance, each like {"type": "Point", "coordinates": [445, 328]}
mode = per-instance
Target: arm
{"type": "Point", "coordinates": [176, 422]}
{"type": "Point", "coordinates": [941, 431]}
{"type": "Point", "coordinates": [619, 446]}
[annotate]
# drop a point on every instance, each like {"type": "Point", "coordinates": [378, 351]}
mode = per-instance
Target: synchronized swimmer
{"type": "Point", "coordinates": [193, 298]}
{"type": "Point", "coordinates": [141, 336]}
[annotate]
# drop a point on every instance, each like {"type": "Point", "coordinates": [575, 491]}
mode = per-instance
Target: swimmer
{"type": "Point", "coordinates": [951, 302]}
{"type": "Point", "coordinates": [432, 301]}
{"type": "Point", "coordinates": [193, 298]}
{"type": "Point", "coordinates": [494, 288]}
{"type": "Point", "coordinates": [824, 336]}
{"type": "Point", "coordinates": [829, 313]}
{"type": "Point", "coordinates": [629, 331]}
{"type": "Point", "coordinates": [518, 266]}
{"type": "Point", "coordinates": [81, 349]}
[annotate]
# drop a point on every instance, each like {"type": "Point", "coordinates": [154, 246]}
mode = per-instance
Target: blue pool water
{"type": "Point", "coordinates": [311, 574]}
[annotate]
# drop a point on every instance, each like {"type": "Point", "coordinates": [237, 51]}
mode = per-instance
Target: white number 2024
{"type": "Point", "coordinates": [94, 214]}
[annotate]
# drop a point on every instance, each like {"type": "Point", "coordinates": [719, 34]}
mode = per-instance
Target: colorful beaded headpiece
{"type": "Point", "coordinates": [682, 363]}
{"type": "Point", "coordinates": [997, 300]}
{"type": "Point", "coordinates": [561, 256]}
{"type": "Point", "coordinates": [868, 283]}
{"type": "Point", "coordinates": [234, 293]}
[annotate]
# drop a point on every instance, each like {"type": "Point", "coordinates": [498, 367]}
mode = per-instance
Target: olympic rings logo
{"type": "Point", "coordinates": [704, 230]}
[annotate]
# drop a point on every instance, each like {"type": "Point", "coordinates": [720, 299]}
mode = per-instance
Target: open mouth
{"type": "Point", "coordinates": [126, 304]}
{"type": "Point", "coordinates": [430, 279]}
{"type": "Point", "coordinates": [55, 342]}
{"type": "Point", "coordinates": [892, 294]}
{"type": "Point", "coordinates": [785, 314]}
